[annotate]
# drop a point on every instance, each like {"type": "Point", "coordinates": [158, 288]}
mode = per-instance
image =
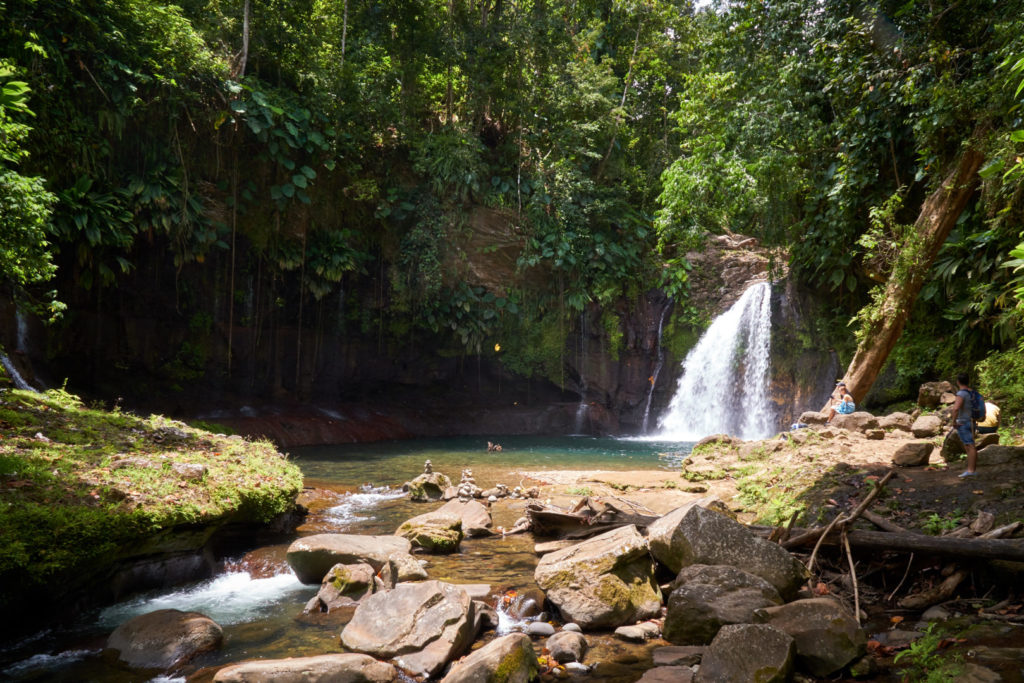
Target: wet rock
{"type": "Point", "coordinates": [929, 395]}
{"type": "Point", "coordinates": [333, 668]}
{"type": "Point", "coordinates": [487, 616]}
{"type": "Point", "coordinates": [427, 486]}
{"type": "Point", "coordinates": [567, 646]}
{"type": "Point", "coordinates": [896, 420]}
{"type": "Point", "coordinates": [421, 626]}
{"type": "Point", "coordinates": [433, 533]}
{"type": "Point", "coordinates": [678, 655]}
{"type": "Point", "coordinates": [311, 557]}
{"type": "Point", "coordinates": [576, 668]}
{"type": "Point", "coordinates": [668, 674]}
{"type": "Point", "coordinates": [913, 454]}
{"type": "Point", "coordinates": [855, 422]}
{"type": "Point", "coordinates": [539, 629]}
{"type": "Point", "coordinates": [935, 613]}
{"type": "Point", "coordinates": [975, 673]}
{"type": "Point", "coordinates": [926, 426]}
{"type": "Point", "coordinates": [605, 581]}
{"type": "Point", "coordinates": [405, 567]}
{"type": "Point", "coordinates": [748, 652]}
{"type": "Point", "coordinates": [343, 585]}
{"type": "Point", "coordinates": [510, 658]}
{"type": "Point", "coordinates": [476, 519]}
{"type": "Point", "coordinates": [638, 633]}
{"type": "Point", "coordinates": [827, 637]}
{"type": "Point", "coordinates": [1000, 455]}
{"type": "Point", "coordinates": [692, 534]}
{"type": "Point", "coordinates": [164, 639]}
{"type": "Point", "coordinates": [707, 597]}
{"type": "Point", "coordinates": [811, 417]}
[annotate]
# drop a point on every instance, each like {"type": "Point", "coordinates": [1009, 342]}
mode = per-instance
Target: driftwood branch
{"type": "Point", "coordinates": [973, 548]}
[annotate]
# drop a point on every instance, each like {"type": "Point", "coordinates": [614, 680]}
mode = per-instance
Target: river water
{"type": "Point", "coordinates": [258, 601]}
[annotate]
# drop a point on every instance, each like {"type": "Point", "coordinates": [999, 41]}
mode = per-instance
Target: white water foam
{"type": "Point", "coordinates": [351, 504]}
{"type": "Point", "coordinates": [45, 662]}
{"type": "Point", "coordinates": [232, 598]}
{"type": "Point", "coordinates": [724, 387]}
{"type": "Point", "coordinates": [509, 619]}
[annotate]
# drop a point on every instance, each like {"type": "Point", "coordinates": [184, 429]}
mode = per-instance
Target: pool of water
{"type": "Point", "coordinates": [258, 601]}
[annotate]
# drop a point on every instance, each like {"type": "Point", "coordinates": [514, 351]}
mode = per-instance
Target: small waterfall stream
{"type": "Point", "coordinates": [724, 387]}
{"type": "Point", "coordinates": [660, 356]}
{"type": "Point", "coordinates": [13, 373]}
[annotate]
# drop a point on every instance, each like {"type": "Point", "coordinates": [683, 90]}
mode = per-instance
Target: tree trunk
{"type": "Point", "coordinates": [937, 218]}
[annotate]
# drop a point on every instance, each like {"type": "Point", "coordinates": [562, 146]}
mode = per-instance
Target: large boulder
{"type": "Point", "coordinates": [811, 417]}
{"type": "Point", "coordinates": [333, 668]}
{"type": "Point", "coordinates": [693, 534]}
{"type": "Point", "coordinates": [433, 532]}
{"type": "Point", "coordinates": [913, 454]}
{"type": "Point", "coordinates": [164, 639]}
{"type": "Point", "coordinates": [343, 586]}
{"type": "Point", "coordinates": [312, 556]}
{"type": "Point", "coordinates": [859, 421]}
{"type": "Point", "coordinates": [605, 581]}
{"type": "Point", "coordinates": [421, 626]}
{"type": "Point", "coordinates": [748, 652]}
{"type": "Point", "coordinates": [897, 420]}
{"type": "Point", "coordinates": [476, 518]}
{"type": "Point", "coordinates": [509, 659]}
{"type": "Point", "coordinates": [931, 394]}
{"type": "Point", "coordinates": [707, 597]}
{"type": "Point", "coordinates": [827, 637]}
{"type": "Point", "coordinates": [427, 486]}
{"type": "Point", "coordinates": [926, 426]}
{"type": "Point", "coordinates": [1000, 455]}
{"type": "Point", "coordinates": [567, 646]}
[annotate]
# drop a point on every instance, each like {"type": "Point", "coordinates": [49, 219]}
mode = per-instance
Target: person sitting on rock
{"type": "Point", "coordinates": [990, 425]}
{"type": "Point", "coordinates": [843, 405]}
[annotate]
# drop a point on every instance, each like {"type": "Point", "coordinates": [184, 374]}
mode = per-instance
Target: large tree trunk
{"type": "Point", "coordinates": [937, 218]}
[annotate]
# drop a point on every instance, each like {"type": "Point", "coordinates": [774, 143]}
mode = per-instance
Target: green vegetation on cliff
{"type": "Point", "coordinates": [82, 488]}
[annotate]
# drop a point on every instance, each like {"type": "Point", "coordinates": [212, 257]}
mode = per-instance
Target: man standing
{"type": "Point", "coordinates": [963, 421]}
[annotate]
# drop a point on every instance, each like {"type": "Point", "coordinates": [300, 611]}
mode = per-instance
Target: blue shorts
{"type": "Point", "coordinates": [963, 429]}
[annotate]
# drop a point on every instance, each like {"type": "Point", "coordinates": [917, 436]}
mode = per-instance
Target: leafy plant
{"type": "Point", "coordinates": [925, 661]}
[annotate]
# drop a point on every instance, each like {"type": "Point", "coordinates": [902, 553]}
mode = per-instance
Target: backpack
{"type": "Point", "coordinates": [977, 407]}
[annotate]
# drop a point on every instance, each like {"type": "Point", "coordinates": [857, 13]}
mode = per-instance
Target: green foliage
{"type": "Point", "coordinates": [1001, 379]}
{"type": "Point", "coordinates": [936, 524]}
{"type": "Point", "coordinates": [925, 661]}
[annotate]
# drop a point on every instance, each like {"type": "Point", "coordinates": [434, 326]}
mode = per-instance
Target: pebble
{"type": "Point", "coordinates": [540, 628]}
{"type": "Point", "coordinates": [572, 627]}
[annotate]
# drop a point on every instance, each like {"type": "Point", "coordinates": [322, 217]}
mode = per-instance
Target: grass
{"type": "Point", "coordinates": [81, 487]}
{"type": "Point", "coordinates": [579, 491]}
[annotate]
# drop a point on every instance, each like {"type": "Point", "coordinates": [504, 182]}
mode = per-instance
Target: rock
{"type": "Point", "coordinates": [312, 556]}
{"type": "Point", "coordinates": [637, 633]}
{"type": "Point", "coordinates": [539, 629]}
{"type": "Point", "coordinates": [827, 637]}
{"type": "Point", "coordinates": [567, 646]}
{"type": "Point", "coordinates": [572, 627]}
{"type": "Point", "coordinates": [189, 470]}
{"type": "Point", "coordinates": [342, 586]}
{"type": "Point", "coordinates": [896, 420]}
{"type": "Point", "coordinates": [432, 532]}
{"type": "Point", "coordinates": [875, 434]}
{"type": "Point", "coordinates": [975, 673]}
{"type": "Point", "coordinates": [929, 395]}
{"type": "Point", "coordinates": [576, 668]}
{"type": "Point", "coordinates": [926, 426]}
{"type": "Point", "coordinates": [450, 493]}
{"type": "Point", "coordinates": [827, 433]}
{"type": "Point", "coordinates": [985, 440]}
{"type": "Point", "coordinates": [477, 591]}
{"type": "Point", "coordinates": [723, 439]}
{"type": "Point", "coordinates": [333, 668]}
{"type": "Point", "coordinates": [1000, 455]}
{"type": "Point", "coordinates": [692, 534]}
{"type": "Point", "coordinates": [487, 616]}
{"type": "Point", "coordinates": [678, 655]}
{"type": "Point", "coordinates": [748, 652]}
{"type": "Point", "coordinates": [812, 418]}
{"type": "Point", "coordinates": [855, 422]}
{"type": "Point", "coordinates": [476, 519]}
{"type": "Point", "coordinates": [510, 658]}
{"type": "Point", "coordinates": [667, 674]}
{"type": "Point", "coordinates": [551, 546]}
{"type": "Point", "coordinates": [864, 667]}
{"type": "Point", "coordinates": [427, 486]}
{"type": "Point", "coordinates": [405, 567]}
{"type": "Point", "coordinates": [164, 639]}
{"type": "Point", "coordinates": [913, 454]}
{"type": "Point", "coordinates": [935, 613]}
{"type": "Point", "coordinates": [706, 597]}
{"type": "Point", "coordinates": [422, 626]}
{"type": "Point", "coordinates": [605, 581]}
{"type": "Point", "coordinates": [952, 446]}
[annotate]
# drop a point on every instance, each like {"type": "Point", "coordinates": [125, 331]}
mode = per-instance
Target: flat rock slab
{"type": "Point", "coordinates": [510, 659]}
{"type": "Point", "coordinates": [667, 674]}
{"type": "Point", "coordinates": [311, 557]}
{"type": "Point", "coordinates": [334, 668]}
{"type": "Point", "coordinates": [164, 639]}
{"type": "Point", "coordinates": [678, 655]}
{"type": "Point", "coordinates": [421, 626]}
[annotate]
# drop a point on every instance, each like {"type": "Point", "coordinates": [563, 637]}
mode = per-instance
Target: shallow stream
{"type": "Point", "coordinates": [258, 601]}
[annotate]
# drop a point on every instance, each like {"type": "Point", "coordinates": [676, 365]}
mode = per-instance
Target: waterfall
{"type": "Point", "coordinates": [724, 387]}
{"type": "Point", "coordinates": [581, 359]}
{"type": "Point", "coordinates": [13, 373]}
{"type": "Point", "coordinates": [660, 356]}
{"type": "Point", "coordinates": [22, 343]}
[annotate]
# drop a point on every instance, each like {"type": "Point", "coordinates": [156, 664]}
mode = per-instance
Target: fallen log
{"type": "Point", "coordinates": [983, 548]}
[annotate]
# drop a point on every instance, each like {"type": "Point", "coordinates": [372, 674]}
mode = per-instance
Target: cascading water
{"type": "Point", "coordinates": [12, 372]}
{"type": "Point", "coordinates": [725, 383]}
{"type": "Point", "coordinates": [660, 355]}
